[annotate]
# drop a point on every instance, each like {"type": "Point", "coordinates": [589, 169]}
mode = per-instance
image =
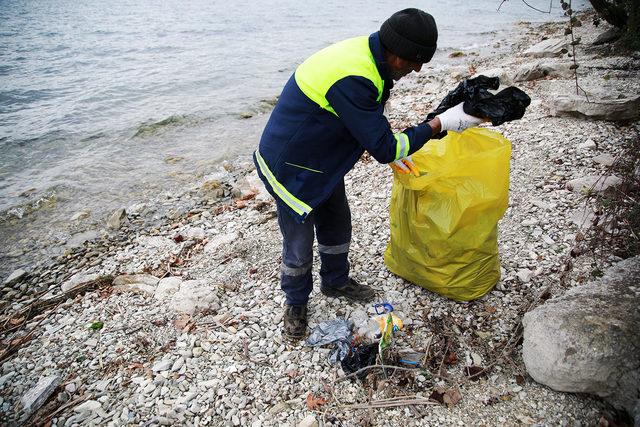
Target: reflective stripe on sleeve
{"type": "Point", "coordinates": [299, 207]}
{"type": "Point", "coordinates": [402, 145]}
{"type": "Point", "coordinates": [295, 271]}
{"type": "Point", "coordinates": [335, 249]}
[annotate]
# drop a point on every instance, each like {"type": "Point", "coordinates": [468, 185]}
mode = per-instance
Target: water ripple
{"type": "Point", "coordinates": [94, 95]}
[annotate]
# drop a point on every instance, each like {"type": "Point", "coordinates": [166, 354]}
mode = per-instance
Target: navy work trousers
{"type": "Point", "coordinates": [332, 223]}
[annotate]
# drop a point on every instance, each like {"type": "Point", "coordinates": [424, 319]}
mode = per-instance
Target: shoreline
{"type": "Point", "coordinates": [231, 364]}
{"type": "Point", "coordinates": [47, 231]}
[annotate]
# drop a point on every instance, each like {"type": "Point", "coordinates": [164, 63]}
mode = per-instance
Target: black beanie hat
{"type": "Point", "coordinates": [411, 34]}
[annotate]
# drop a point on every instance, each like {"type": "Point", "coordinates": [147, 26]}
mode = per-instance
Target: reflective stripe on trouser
{"type": "Point", "coordinates": [335, 249]}
{"type": "Point", "coordinates": [332, 223]}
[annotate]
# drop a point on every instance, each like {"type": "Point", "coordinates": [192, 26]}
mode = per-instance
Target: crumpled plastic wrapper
{"type": "Point", "coordinates": [338, 331]}
{"type": "Point", "coordinates": [362, 356]}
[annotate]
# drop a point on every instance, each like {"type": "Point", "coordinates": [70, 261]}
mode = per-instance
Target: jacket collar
{"type": "Point", "coordinates": [375, 45]}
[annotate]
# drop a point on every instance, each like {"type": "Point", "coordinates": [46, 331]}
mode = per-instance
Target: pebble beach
{"type": "Point", "coordinates": [172, 315]}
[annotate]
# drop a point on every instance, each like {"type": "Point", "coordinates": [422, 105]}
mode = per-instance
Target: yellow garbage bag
{"type": "Point", "coordinates": [444, 223]}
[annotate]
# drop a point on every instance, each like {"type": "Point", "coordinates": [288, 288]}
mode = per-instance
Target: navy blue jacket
{"type": "Point", "coordinates": [309, 150]}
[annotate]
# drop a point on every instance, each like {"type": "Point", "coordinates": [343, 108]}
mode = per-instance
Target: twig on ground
{"type": "Point", "coordinates": [444, 356]}
{"type": "Point", "coordinates": [573, 56]}
{"type": "Point", "coordinates": [426, 352]}
{"type": "Point", "coordinates": [247, 355]}
{"type": "Point", "coordinates": [506, 350]}
{"type": "Point", "coordinates": [216, 323]}
{"type": "Point", "coordinates": [514, 365]}
{"type": "Point", "coordinates": [511, 343]}
{"type": "Point", "coordinates": [333, 394]}
{"type": "Point", "coordinates": [61, 408]}
{"type": "Point", "coordinates": [39, 305]}
{"type": "Point", "coordinates": [366, 368]}
{"type": "Point", "coordinates": [392, 402]}
{"type": "Point", "coordinates": [12, 348]}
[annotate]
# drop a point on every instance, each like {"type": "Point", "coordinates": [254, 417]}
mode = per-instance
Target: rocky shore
{"type": "Point", "coordinates": [175, 319]}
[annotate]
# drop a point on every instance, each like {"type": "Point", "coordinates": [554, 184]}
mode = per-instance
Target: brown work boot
{"type": "Point", "coordinates": [353, 291]}
{"type": "Point", "coordinates": [295, 322]}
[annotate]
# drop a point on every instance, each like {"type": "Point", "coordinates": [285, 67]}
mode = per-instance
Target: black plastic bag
{"type": "Point", "coordinates": [359, 357]}
{"type": "Point", "coordinates": [507, 105]}
{"type": "Point", "coordinates": [469, 89]}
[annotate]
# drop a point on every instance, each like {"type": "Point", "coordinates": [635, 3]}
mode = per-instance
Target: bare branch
{"type": "Point", "coordinates": [539, 10]}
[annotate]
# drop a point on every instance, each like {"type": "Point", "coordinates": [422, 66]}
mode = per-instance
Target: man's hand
{"type": "Point", "coordinates": [405, 166]}
{"type": "Point", "coordinates": [457, 120]}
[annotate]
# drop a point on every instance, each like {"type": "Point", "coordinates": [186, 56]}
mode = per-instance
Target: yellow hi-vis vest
{"type": "Point", "coordinates": [351, 57]}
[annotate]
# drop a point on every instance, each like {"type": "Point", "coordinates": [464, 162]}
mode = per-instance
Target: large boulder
{"type": "Point", "coordinates": [608, 36]}
{"type": "Point", "coordinates": [599, 107]}
{"type": "Point", "coordinates": [78, 279]}
{"type": "Point", "coordinates": [593, 184]}
{"type": "Point", "coordinates": [143, 283]}
{"type": "Point", "coordinates": [548, 48]}
{"type": "Point", "coordinates": [504, 74]}
{"type": "Point", "coordinates": [116, 218]}
{"type": "Point", "coordinates": [538, 70]}
{"type": "Point", "coordinates": [193, 296]}
{"type": "Point", "coordinates": [588, 340]}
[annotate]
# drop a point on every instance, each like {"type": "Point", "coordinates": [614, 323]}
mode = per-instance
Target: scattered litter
{"type": "Point", "coordinates": [375, 326]}
{"type": "Point", "coordinates": [410, 358]}
{"type": "Point", "coordinates": [338, 331]}
{"type": "Point", "coordinates": [386, 340]}
{"type": "Point", "coordinates": [359, 357]}
{"type": "Point", "coordinates": [382, 319]}
{"type": "Point", "coordinates": [383, 307]}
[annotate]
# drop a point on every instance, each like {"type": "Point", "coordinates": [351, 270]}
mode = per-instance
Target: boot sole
{"type": "Point", "coordinates": [293, 338]}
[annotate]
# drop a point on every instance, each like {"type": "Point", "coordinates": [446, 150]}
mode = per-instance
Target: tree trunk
{"type": "Point", "coordinates": [631, 37]}
{"type": "Point", "coordinates": [610, 12]}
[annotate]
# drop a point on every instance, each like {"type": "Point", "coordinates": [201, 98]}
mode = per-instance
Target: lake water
{"type": "Point", "coordinates": [104, 102]}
